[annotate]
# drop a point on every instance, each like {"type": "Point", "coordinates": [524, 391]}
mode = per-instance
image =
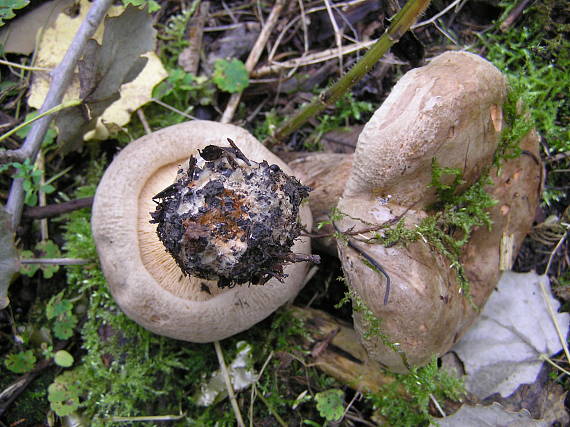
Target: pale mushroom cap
{"type": "Point", "coordinates": [450, 109]}
{"type": "Point", "coordinates": [143, 278]}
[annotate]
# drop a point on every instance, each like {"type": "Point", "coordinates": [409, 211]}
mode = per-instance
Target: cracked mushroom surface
{"type": "Point", "coordinates": [185, 185]}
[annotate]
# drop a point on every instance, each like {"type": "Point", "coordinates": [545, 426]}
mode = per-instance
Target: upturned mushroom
{"type": "Point", "coordinates": [448, 112]}
{"type": "Point", "coordinates": [227, 213]}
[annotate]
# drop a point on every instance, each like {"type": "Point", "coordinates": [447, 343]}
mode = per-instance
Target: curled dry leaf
{"type": "Point", "coordinates": [503, 349]}
{"type": "Point", "coordinates": [493, 415]}
{"type": "Point", "coordinates": [9, 260]}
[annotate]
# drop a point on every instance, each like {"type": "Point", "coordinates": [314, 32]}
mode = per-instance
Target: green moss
{"type": "Point", "coordinates": [420, 385]}
{"type": "Point", "coordinates": [454, 217]}
{"type": "Point", "coordinates": [535, 55]}
{"type": "Point", "coordinates": [451, 222]}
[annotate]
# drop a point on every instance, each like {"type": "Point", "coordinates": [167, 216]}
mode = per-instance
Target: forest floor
{"type": "Point", "coordinates": [69, 356]}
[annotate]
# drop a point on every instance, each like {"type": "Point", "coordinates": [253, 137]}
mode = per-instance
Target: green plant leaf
{"type": "Point", "coordinates": [63, 358]}
{"type": "Point", "coordinates": [7, 8]}
{"type": "Point", "coordinates": [230, 76]}
{"type": "Point", "coordinates": [153, 6]}
{"type": "Point", "coordinates": [63, 396]}
{"type": "Point", "coordinates": [21, 362]}
{"type": "Point", "coordinates": [58, 307]}
{"type": "Point", "coordinates": [63, 328]}
{"type": "Point", "coordinates": [43, 249]}
{"type": "Point", "coordinates": [330, 404]}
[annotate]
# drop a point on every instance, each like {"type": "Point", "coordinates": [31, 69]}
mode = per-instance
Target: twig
{"type": "Point", "coordinates": [173, 109]}
{"type": "Point", "coordinates": [356, 396]}
{"type": "Point", "coordinates": [9, 154]}
{"type": "Point", "coordinates": [304, 25]}
{"type": "Point", "coordinates": [561, 337]}
{"type": "Point", "coordinates": [55, 209]}
{"type": "Point", "coordinates": [550, 361]}
{"type": "Point", "coordinates": [142, 118]}
{"type": "Point", "coordinates": [146, 418]}
{"type": "Point", "coordinates": [23, 67]}
{"type": "Point", "coordinates": [436, 16]}
{"type": "Point", "coordinates": [195, 33]}
{"type": "Point", "coordinates": [280, 420]}
{"type": "Point", "coordinates": [61, 76]}
{"type": "Point", "coordinates": [254, 56]}
{"type": "Point", "coordinates": [56, 261]}
{"type": "Point", "coordinates": [372, 261]}
{"type": "Point", "coordinates": [228, 382]}
{"type": "Point", "coordinates": [551, 257]}
{"type": "Point", "coordinates": [44, 231]}
{"type": "Point", "coordinates": [310, 59]}
{"type": "Point", "coordinates": [514, 15]}
{"type": "Point", "coordinates": [437, 405]}
{"type": "Point", "coordinates": [337, 35]}
{"type": "Point", "coordinates": [400, 24]}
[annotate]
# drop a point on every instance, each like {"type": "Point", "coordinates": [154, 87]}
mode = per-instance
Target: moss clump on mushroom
{"type": "Point", "coordinates": [456, 214]}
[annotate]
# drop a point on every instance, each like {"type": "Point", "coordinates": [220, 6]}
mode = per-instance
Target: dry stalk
{"type": "Point", "coordinates": [254, 57]}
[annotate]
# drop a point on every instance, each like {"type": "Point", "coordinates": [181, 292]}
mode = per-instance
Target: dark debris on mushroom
{"type": "Point", "coordinates": [231, 219]}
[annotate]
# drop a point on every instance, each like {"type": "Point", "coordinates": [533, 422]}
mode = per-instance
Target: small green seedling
{"type": "Point", "coordinates": [47, 249]}
{"type": "Point", "coordinates": [230, 76]}
{"type": "Point", "coordinates": [7, 8]}
{"type": "Point", "coordinates": [32, 180]}
{"type": "Point", "coordinates": [63, 394]}
{"type": "Point", "coordinates": [63, 358]}
{"type": "Point", "coordinates": [60, 311]}
{"type": "Point", "coordinates": [330, 404]}
{"type": "Point", "coordinates": [21, 362]}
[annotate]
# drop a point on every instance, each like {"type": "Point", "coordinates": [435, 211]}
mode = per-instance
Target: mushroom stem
{"type": "Point", "coordinates": [228, 382]}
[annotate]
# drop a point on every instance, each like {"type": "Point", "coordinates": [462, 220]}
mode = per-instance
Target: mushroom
{"type": "Point", "coordinates": [146, 281]}
{"type": "Point", "coordinates": [450, 111]}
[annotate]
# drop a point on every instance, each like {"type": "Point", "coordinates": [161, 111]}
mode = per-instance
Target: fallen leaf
{"type": "Point", "coordinates": [51, 49]}
{"type": "Point", "coordinates": [491, 416]}
{"type": "Point", "coordinates": [502, 350]}
{"type": "Point", "coordinates": [19, 36]}
{"type": "Point", "coordinates": [241, 376]}
{"type": "Point", "coordinates": [9, 260]}
{"type": "Point", "coordinates": [109, 80]}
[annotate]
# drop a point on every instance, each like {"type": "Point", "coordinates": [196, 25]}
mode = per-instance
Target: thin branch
{"type": "Point", "coordinates": [550, 361]}
{"type": "Point", "coordinates": [173, 109]}
{"type": "Point", "coordinates": [61, 76]}
{"type": "Point", "coordinates": [436, 16]}
{"type": "Point", "coordinates": [561, 336]}
{"type": "Point", "coordinates": [254, 56]}
{"type": "Point", "coordinates": [375, 264]}
{"type": "Point", "coordinates": [53, 110]}
{"type": "Point", "coordinates": [337, 35]}
{"type": "Point", "coordinates": [23, 67]}
{"type": "Point", "coordinates": [56, 261]}
{"type": "Point", "coordinates": [514, 15]}
{"type": "Point", "coordinates": [55, 209]}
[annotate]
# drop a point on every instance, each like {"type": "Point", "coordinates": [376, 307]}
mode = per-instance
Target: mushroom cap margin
{"type": "Point", "coordinates": [115, 230]}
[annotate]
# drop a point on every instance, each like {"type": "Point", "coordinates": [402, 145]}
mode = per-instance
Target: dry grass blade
{"type": "Point", "coordinates": [254, 57]}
